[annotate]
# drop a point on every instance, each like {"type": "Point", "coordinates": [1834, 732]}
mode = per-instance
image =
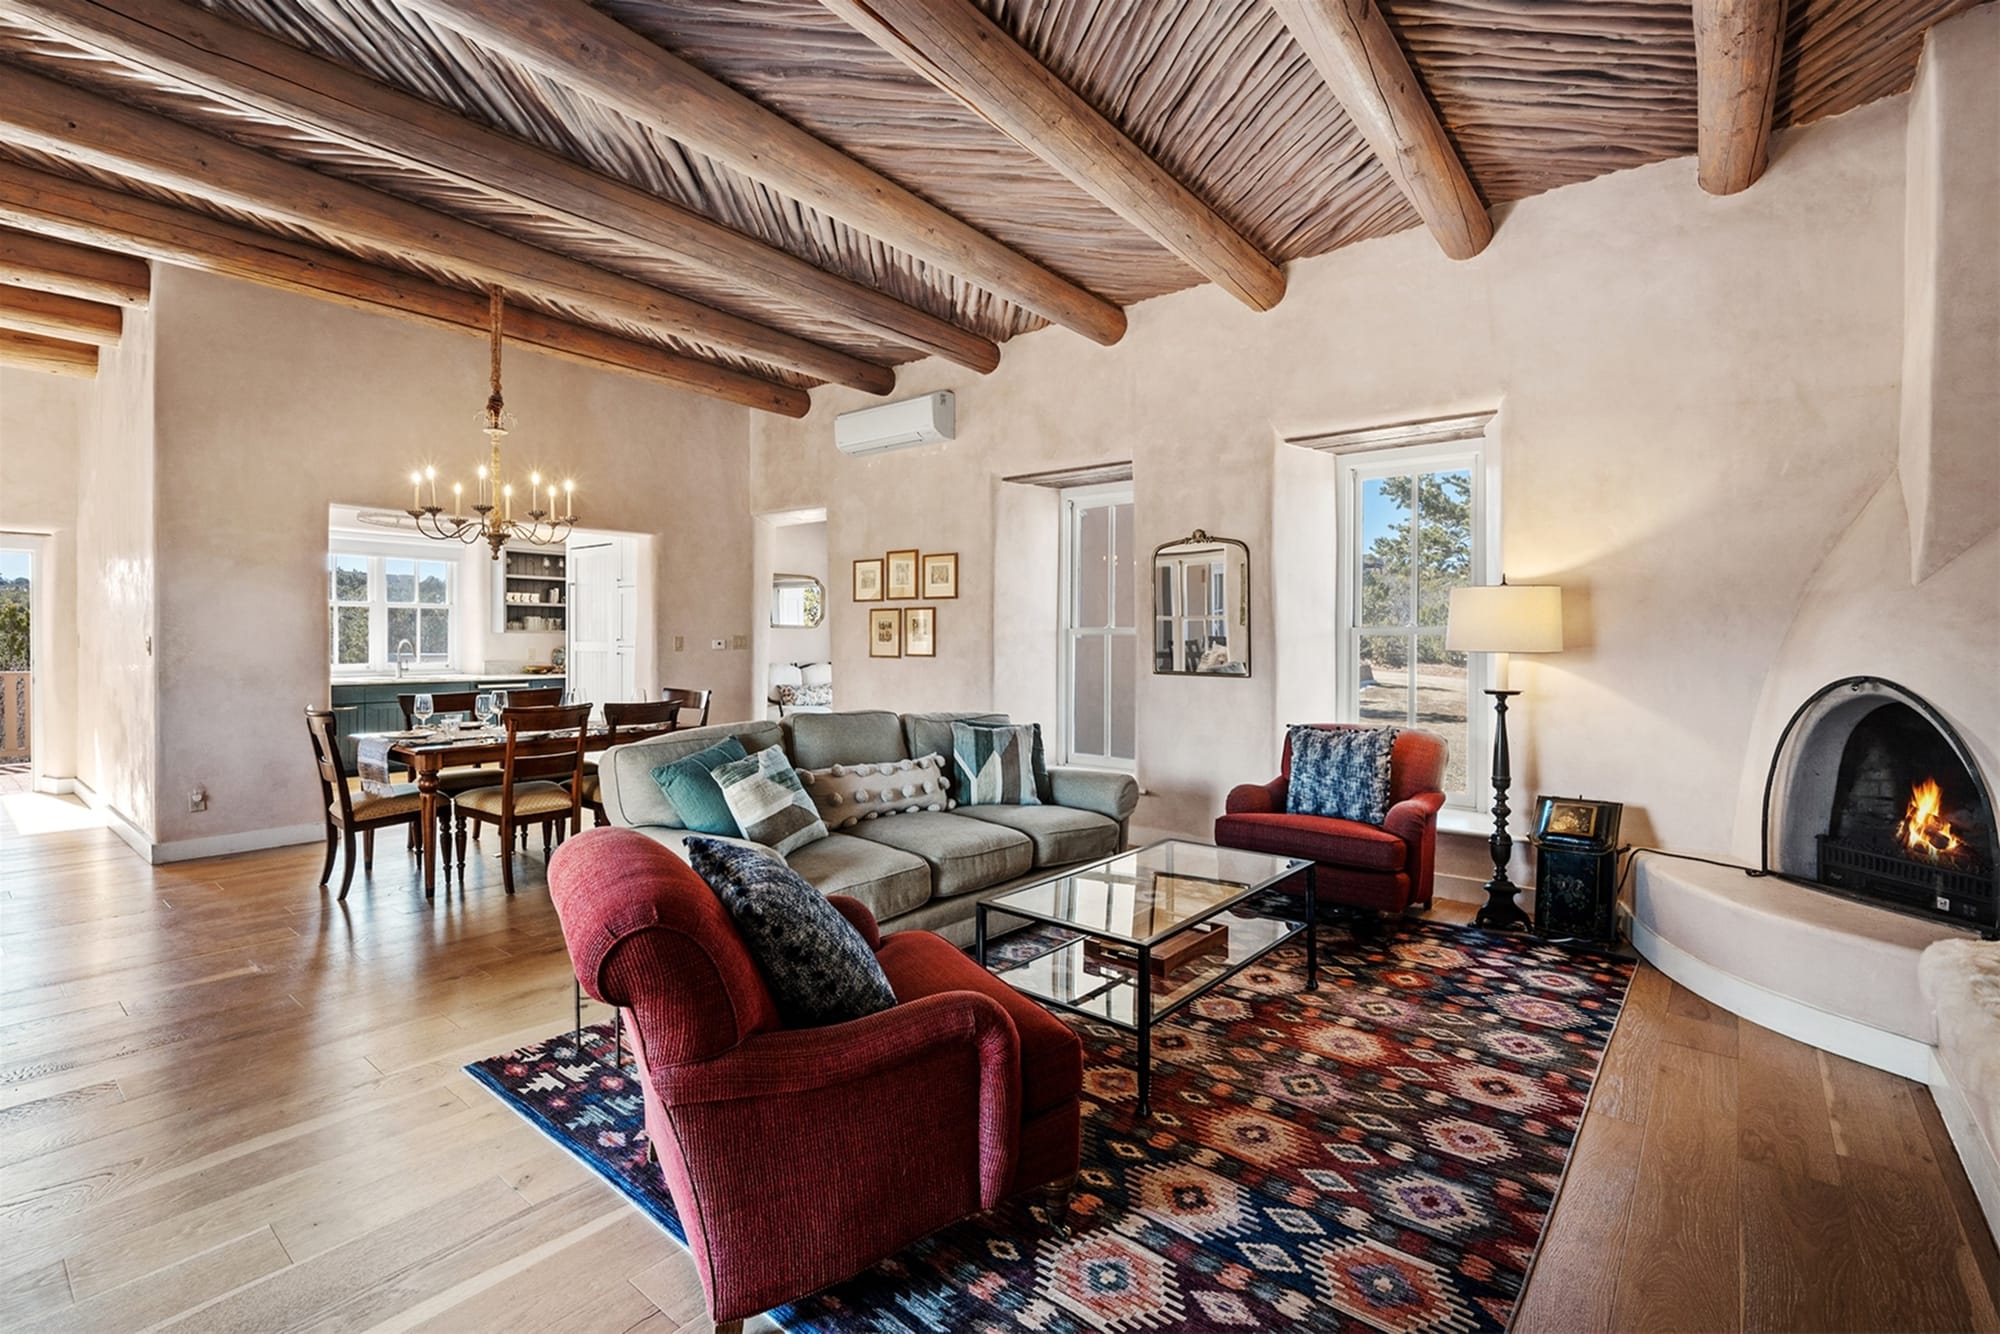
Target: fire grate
{"type": "Point", "coordinates": [1965, 895]}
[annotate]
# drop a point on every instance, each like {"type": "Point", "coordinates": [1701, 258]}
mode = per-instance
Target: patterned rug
{"type": "Point", "coordinates": [1381, 1154]}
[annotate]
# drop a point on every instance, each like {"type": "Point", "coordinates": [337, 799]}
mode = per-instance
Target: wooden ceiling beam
{"type": "Point", "coordinates": [1737, 48]}
{"type": "Point", "coordinates": [1351, 45]}
{"type": "Point", "coordinates": [82, 213]}
{"type": "Point", "coordinates": [38, 353]}
{"type": "Point", "coordinates": [67, 122]}
{"type": "Point", "coordinates": [56, 316]}
{"type": "Point", "coordinates": [956, 47]}
{"type": "Point", "coordinates": [274, 78]}
{"type": "Point", "coordinates": [591, 53]}
{"type": "Point", "coordinates": [73, 270]}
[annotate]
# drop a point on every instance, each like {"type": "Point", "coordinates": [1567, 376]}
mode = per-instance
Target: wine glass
{"type": "Point", "coordinates": [499, 705]}
{"type": "Point", "coordinates": [421, 709]}
{"type": "Point", "coordinates": [482, 708]}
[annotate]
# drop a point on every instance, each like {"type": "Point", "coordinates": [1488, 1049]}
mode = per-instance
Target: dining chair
{"type": "Point", "coordinates": [539, 783]}
{"type": "Point", "coordinates": [682, 698]}
{"type": "Point", "coordinates": [615, 717]}
{"type": "Point", "coordinates": [348, 812]}
{"type": "Point", "coordinates": [543, 698]}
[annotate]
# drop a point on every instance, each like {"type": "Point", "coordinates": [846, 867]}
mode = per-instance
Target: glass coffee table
{"type": "Point", "coordinates": [1156, 930]}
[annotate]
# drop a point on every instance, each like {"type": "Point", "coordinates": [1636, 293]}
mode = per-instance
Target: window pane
{"type": "Point", "coordinates": [1444, 539]}
{"type": "Point", "coordinates": [350, 578]}
{"type": "Point", "coordinates": [1442, 700]}
{"type": "Point", "coordinates": [1123, 582]}
{"type": "Point", "coordinates": [433, 582]}
{"type": "Point", "coordinates": [1087, 696]}
{"type": "Point", "coordinates": [1093, 567]}
{"type": "Point", "coordinates": [402, 625]}
{"type": "Point", "coordinates": [1384, 687]}
{"type": "Point", "coordinates": [399, 580]}
{"type": "Point", "coordinates": [1124, 698]}
{"type": "Point", "coordinates": [1385, 551]}
{"type": "Point", "coordinates": [1163, 644]}
{"type": "Point", "coordinates": [436, 626]}
{"type": "Point", "coordinates": [350, 636]}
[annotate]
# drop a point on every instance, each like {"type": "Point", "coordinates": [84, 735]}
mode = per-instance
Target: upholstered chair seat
{"type": "Point", "coordinates": [529, 799]}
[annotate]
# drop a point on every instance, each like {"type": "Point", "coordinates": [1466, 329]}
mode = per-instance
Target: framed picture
{"type": "Point", "coordinates": [885, 632]}
{"type": "Point", "coordinates": [940, 575]}
{"type": "Point", "coordinates": [902, 574]}
{"type": "Point", "coordinates": [920, 632]}
{"type": "Point", "coordinates": [868, 581]}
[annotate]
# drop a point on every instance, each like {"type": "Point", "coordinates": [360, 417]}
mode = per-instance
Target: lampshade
{"type": "Point", "coordinates": [1505, 618]}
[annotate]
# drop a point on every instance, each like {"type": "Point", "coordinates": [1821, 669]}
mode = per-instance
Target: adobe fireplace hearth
{"type": "Point", "coordinates": [1871, 794]}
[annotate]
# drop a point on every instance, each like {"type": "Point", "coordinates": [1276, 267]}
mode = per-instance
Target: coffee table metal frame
{"type": "Point", "coordinates": [1146, 1016]}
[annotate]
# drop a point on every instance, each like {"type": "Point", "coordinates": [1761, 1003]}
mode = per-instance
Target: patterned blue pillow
{"type": "Point", "coordinates": [817, 965]}
{"type": "Point", "coordinates": [993, 764]}
{"type": "Point", "coordinates": [1343, 773]}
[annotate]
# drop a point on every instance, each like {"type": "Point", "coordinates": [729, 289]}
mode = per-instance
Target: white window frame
{"type": "Point", "coordinates": [381, 653]}
{"type": "Point", "coordinates": [1481, 456]}
{"type": "Point", "coordinates": [1119, 639]}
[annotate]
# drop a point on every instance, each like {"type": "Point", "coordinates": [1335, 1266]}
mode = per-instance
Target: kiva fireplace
{"type": "Point", "coordinates": [1871, 794]}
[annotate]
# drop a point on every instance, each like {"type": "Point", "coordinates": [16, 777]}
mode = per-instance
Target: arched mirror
{"type": "Point", "coordinates": [798, 602]}
{"type": "Point", "coordinates": [1201, 607]}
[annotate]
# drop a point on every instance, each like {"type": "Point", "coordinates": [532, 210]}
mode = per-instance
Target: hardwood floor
{"type": "Point", "coordinates": [227, 1102]}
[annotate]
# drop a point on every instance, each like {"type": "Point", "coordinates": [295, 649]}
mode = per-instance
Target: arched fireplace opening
{"type": "Point", "coordinates": [1871, 794]}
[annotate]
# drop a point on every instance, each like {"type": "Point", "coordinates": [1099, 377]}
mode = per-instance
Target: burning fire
{"type": "Point", "coordinates": [1921, 831]}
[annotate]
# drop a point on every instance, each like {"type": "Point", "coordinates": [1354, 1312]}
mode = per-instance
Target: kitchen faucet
{"type": "Point", "coordinates": [402, 644]}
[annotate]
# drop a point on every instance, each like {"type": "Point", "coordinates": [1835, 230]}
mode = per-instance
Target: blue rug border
{"type": "Point", "coordinates": [784, 1317]}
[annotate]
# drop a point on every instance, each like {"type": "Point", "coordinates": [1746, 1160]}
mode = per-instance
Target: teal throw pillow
{"type": "Point", "coordinates": [689, 783]}
{"type": "Point", "coordinates": [994, 765]}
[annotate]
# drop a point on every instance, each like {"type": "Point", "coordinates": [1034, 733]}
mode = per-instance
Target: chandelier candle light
{"type": "Point", "coordinates": [544, 521]}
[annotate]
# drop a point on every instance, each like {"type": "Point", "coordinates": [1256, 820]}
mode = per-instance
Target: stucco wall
{"type": "Point", "coordinates": [1699, 395]}
{"type": "Point", "coordinates": [42, 423]}
{"type": "Point", "coordinates": [272, 406]}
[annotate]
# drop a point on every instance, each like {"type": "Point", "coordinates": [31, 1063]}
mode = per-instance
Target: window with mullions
{"type": "Point", "coordinates": [1100, 635]}
{"type": "Point", "coordinates": [376, 602]}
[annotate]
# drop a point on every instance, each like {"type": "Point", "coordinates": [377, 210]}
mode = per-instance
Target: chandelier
{"type": "Point", "coordinates": [543, 522]}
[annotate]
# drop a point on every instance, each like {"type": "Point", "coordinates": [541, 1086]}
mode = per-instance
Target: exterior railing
{"type": "Point", "coordinates": [14, 693]}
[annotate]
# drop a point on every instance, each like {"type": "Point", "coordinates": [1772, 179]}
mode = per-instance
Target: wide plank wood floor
{"type": "Point", "coordinates": [227, 1102]}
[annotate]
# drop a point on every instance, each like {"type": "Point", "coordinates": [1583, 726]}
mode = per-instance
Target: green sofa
{"type": "Point", "coordinates": [923, 870]}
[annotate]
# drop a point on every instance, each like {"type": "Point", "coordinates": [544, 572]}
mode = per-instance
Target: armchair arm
{"type": "Point", "coordinates": [1408, 819]}
{"type": "Point", "coordinates": [857, 914]}
{"type": "Point", "coordinates": [1256, 798]}
{"type": "Point", "coordinates": [1104, 791]}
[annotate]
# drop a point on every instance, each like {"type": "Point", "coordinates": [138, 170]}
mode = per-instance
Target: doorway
{"type": "Point", "coordinates": [17, 615]}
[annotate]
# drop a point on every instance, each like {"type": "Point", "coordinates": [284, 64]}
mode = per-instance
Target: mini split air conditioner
{"type": "Point", "coordinates": [914, 421]}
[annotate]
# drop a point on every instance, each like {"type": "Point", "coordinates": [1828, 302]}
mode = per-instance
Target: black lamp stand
{"type": "Point", "coordinates": [1501, 913]}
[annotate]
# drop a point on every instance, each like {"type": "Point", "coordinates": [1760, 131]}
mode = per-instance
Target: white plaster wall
{"type": "Point", "coordinates": [272, 406]}
{"type": "Point", "coordinates": [1700, 395]}
{"type": "Point", "coordinates": [116, 673]}
{"type": "Point", "coordinates": [42, 423]}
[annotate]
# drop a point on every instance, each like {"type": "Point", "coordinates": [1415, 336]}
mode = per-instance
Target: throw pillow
{"type": "Point", "coordinates": [819, 968]}
{"type": "Point", "coordinates": [847, 794]}
{"type": "Point", "coordinates": [1341, 773]}
{"type": "Point", "coordinates": [689, 783]}
{"type": "Point", "coordinates": [770, 805]}
{"type": "Point", "coordinates": [993, 764]}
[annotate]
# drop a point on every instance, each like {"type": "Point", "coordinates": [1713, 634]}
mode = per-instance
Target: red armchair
{"type": "Point", "coordinates": [796, 1158]}
{"type": "Point", "coordinates": [1389, 867]}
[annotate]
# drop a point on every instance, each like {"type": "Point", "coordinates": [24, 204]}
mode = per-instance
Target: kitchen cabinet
{"type": "Point", "coordinates": [530, 590]}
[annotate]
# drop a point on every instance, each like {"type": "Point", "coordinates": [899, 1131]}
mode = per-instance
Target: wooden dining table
{"type": "Point", "coordinates": [431, 755]}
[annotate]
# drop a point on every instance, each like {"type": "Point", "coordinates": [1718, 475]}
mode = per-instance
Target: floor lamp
{"type": "Point", "coordinates": [1507, 618]}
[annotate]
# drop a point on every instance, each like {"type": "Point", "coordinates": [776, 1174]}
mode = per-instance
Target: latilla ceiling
{"type": "Point", "coordinates": [1532, 94]}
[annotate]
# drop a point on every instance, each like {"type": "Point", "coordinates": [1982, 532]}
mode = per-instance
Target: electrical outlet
{"type": "Point", "coordinates": [197, 800]}
{"type": "Point", "coordinates": [715, 643]}
{"type": "Point", "coordinates": [680, 642]}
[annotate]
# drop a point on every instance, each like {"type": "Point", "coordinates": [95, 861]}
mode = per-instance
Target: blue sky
{"type": "Point", "coordinates": [13, 564]}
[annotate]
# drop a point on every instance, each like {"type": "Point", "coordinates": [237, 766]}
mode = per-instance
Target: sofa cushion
{"type": "Point", "coordinates": [1317, 837]}
{"type": "Point", "coordinates": [993, 765]}
{"type": "Point", "coordinates": [887, 880]}
{"type": "Point", "coordinates": [920, 964]}
{"type": "Point", "coordinates": [690, 785]}
{"type": "Point", "coordinates": [930, 733]}
{"type": "Point", "coordinates": [1060, 835]}
{"type": "Point", "coordinates": [822, 740]}
{"type": "Point", "coordinates": [770, 804]}
{"type": "Point", "coordinates": [631, 797]}
{"type": "Point", "coordinates": [1341, 773]}
{"type": "Point", "coordinates": [964, 855]}
{"type": "Point", "coordinates": [847, 794]}
{"type": "Point", "coordinates": [817, 965]}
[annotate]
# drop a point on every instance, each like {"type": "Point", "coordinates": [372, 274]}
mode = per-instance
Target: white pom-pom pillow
{"type": "Point", "coordinates": [847, 794]}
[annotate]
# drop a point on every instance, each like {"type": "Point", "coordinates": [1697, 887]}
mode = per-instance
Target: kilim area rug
{"type": "Point", "coordinates": [1381, 1154]}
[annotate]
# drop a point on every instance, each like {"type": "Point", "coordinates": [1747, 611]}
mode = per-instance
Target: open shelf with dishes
{"type": "Point", "coordinates": [530, 590]}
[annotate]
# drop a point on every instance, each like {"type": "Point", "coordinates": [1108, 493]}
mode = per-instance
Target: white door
{"type": "Point", "coordinates": [594, 669]}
